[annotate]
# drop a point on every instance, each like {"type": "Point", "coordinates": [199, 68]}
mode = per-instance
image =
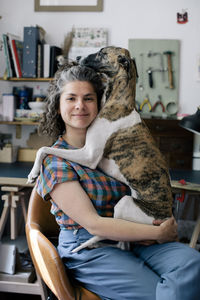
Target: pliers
{"type": "Point", "coordinates": [144, 102]}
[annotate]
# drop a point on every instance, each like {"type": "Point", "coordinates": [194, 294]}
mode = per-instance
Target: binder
{"type": "Point", "coordinates": [32, 37]}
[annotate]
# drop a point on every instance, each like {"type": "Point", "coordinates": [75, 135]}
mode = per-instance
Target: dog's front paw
{"type": "Point", "coordinates": [32, 177]}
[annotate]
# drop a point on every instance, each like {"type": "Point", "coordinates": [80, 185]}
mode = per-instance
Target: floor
{"type": "Point", "coordinates": [11, 296]}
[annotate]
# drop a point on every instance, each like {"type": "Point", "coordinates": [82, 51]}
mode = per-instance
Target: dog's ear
{"type": "Point", "coordinates": [124, 62]}
{"type": "Point", "coordinates": [135, 66]}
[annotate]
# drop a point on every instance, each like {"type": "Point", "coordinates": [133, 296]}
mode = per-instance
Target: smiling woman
{"type": "Point", "coordinates": [78, 108]}
{"type": "Point", "coordinates": [68, 5]}
{"type": "Point", "coordinates": [75, 96]}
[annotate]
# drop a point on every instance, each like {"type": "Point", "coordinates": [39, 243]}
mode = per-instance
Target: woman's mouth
{"type": "Point", "coordinates": [80, 115]}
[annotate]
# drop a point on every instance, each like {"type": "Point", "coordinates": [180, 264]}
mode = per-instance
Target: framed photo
{"type": "Point", "coordinates": [68, 5]}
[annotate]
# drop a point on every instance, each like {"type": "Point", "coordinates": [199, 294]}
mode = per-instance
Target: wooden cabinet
{"type": "Point", "coordinates": [175, 142]}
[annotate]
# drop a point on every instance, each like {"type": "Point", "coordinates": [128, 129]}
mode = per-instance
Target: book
{"type": "Point", "coordinates": [40, 61]}
{"type": "Point", "coordinates": [7, 55]}
{"type": "Point", "coordinates": [32, 37]}
{"type": "Point", "coordinates": [18, 52]}
{"type": "Point", "coordinates": [54, 53]}
{"type": "Point", "coordinates": [46, 60]}
{"type": "Point", "coordinates": [12, 37]}
{"type": "Point", "coordinates": [13, 72]}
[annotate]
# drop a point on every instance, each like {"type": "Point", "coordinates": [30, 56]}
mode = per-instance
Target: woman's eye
{"type": "Point", "coordinates": [71, 98]}
{"type": "Point", "coordinates": [89, 99]}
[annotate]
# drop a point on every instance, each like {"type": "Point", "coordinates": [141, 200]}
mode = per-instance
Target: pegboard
{"type": "Point", "coordinates": [157, 89]}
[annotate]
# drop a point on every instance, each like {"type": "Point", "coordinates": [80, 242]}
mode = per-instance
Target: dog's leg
{"type": "Point", "coordinates": [41, 154]}
{"type": "Point", "coordinates": [88, 243]}
{"type": "Point", "coordinates": [127, 209]}
{"type": "Point", "coordinates": [91, 154]}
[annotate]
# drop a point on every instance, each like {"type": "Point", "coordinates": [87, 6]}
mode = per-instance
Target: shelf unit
{"type": "Point", "coordinates": [26, 79]}
{"type": "Point", "coordinates": [36, 288]}
{"type": "Point", "coordinates": [19, 123]}
{"type": "Point", "coordinates": [22, 123]}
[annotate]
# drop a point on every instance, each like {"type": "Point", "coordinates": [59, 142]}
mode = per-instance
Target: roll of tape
{"type": "Point", "coordinates": [171, 108]}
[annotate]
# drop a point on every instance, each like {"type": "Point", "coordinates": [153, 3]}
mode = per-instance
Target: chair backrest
{"type": "Point", "coordinates": [40, 225]}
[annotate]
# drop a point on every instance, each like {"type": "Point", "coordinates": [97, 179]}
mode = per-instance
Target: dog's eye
{"type": "Point", "coordinates": [101, 54]}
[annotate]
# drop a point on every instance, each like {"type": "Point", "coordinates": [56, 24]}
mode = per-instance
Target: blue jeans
{"type": "Point", "coordinates": [157, 272]}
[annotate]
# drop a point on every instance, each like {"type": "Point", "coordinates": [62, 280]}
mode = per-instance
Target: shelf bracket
{"type": "Point", "coordinates": [18, 131]}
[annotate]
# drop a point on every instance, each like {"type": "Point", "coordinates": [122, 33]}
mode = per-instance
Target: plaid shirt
{"type": "Point", "coordinates": [104, 191]}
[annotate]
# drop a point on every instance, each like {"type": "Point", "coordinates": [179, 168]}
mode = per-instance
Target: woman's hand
{"type": "Point", "coordinates": [168, 230]}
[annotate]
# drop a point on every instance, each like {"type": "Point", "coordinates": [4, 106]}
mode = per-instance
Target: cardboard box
{"type": "Point", "coordinates": [26, 154]}
{"type": "Point", "coordinates": [8, 154]}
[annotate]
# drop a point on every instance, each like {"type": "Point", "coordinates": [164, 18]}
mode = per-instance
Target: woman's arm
{"type": "Point", "coordinates": [74, 202]}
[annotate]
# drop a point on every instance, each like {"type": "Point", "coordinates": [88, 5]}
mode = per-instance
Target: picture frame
{"type": "Point", "coordinates": [66, 5]}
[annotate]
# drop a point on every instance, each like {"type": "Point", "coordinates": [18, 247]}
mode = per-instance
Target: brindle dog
{"type": "Point", "coordinates": [120, 143]}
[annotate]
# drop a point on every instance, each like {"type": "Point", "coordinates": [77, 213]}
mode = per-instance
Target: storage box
{"type": "Point", "coordinates": [26, 154]}
{"type": "Point", "coordinates": [8, 154]}
{"type": "Point", "coordinates": [8, 107]}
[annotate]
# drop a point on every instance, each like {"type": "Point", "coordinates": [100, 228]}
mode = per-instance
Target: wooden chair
{"type": "Point", "coordinates": [40, 225]}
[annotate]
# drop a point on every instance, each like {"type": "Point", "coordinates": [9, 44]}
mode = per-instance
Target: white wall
{"type": "Point", "coordinates": [124, 19]}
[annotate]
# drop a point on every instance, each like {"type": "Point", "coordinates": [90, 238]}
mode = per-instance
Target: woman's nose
{"type": "Point", "coordinates": [80, 104]}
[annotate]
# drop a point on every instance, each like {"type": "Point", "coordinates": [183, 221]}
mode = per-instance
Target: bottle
{"type": "Point", "coordinates": [23, 99]}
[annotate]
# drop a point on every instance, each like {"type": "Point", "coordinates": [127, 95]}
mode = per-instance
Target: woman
{"type": "Point", "coordinates": [83, 200]}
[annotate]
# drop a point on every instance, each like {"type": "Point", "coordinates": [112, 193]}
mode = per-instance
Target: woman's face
{"type": "Point", "coordinates": [78, 104]}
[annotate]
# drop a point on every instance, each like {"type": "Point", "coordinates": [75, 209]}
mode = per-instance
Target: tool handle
{"type": "Point", "coordinates": [150, 78]}
{"type": "Point", "coordinates": [170, 73]}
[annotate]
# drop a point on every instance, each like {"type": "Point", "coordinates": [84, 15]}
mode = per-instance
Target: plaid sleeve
{"type": "Point", "coordinates": [54, 170]}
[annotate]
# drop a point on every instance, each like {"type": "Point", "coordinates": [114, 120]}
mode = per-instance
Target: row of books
{"type": "Point", "coordinates": [13, 49]}
{"type": "Point", "coordinates": [32, 57]}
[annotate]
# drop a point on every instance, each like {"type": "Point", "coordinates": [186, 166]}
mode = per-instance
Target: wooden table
{"type": "Point", "coordinates": [15, 173]}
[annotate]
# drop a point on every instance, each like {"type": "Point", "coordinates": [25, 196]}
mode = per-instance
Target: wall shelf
{"type": "Point", "coordinates": [27, 79]}
{"type": "Point", "coordinates": [19, 123]}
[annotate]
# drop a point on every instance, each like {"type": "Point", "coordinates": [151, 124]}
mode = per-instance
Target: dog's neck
{"type": "Point", "coordinates": [120, 97]}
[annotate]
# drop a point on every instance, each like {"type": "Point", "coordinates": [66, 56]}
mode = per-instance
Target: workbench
{"type": "Point", "coordinates": [188, 182]}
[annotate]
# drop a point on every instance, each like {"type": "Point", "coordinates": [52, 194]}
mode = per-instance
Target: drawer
{"type": "Point", "coordinates": [180, 161]}
{"type": "Point", "coordinates": [175, 144]}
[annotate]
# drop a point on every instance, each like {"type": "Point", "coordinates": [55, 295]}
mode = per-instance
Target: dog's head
{"type": "Point", "coordinates": [112, 61]}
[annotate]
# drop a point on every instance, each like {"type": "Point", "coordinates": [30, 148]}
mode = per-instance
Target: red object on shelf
{"type": "Point", "coordinates": [182, 181]}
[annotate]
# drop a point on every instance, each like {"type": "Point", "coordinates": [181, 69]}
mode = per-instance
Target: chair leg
{"type": "Point", "coordinates": [43, 288]}
{"type": "Point", "coordinates": [5, 212]}
{"type": "Point", "coordinates": [195, 234]}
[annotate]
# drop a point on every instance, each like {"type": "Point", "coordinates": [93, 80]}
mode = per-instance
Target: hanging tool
{"type": "Point", "coordinates": [150, 75]}
{"type": "Point", "coordinates": [162, 69]}
{"type": "Point", "coordinates": [141, 86]}
{"type": "Point", "coordinates": [169, 67]}
{"type": "Point", "coordinates": [162, 66]}
{"type": "Point", "coordinates": [145, 102]}
{"type": "Point", "coordinates": [158, 103]}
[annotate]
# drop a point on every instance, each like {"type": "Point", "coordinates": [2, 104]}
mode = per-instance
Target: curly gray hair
{"type": "Point", "coordinates": [51, 123]}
